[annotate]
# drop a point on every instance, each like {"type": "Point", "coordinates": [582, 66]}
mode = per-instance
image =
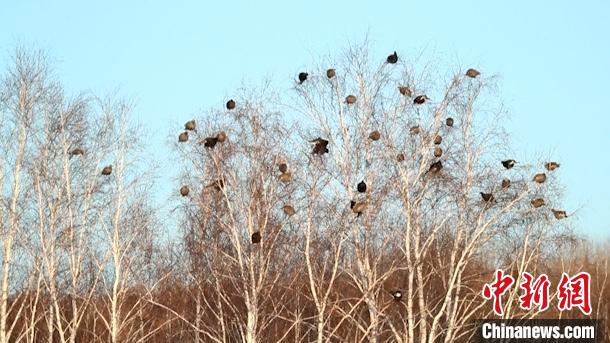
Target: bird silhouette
{"type": "Point", "coordinates": [436, 167]}
{"type": "Point", "coordinates": [285, 177]}
{"type": "Point", "coordinates": [449, 121]}
{"type": "Point", "coordinates": [396, 294]}
{"type": "Point", "coordinates": [559, 214]}
{"type": "Point", "coordinates": [438, 139]}
{"type": "Point", "coordinates": [375, 135]}
{"type": "Point", "coordinates": [230, 104]}
{"type": "Point", "coordinates": [550, 166]}
{"type": "Point", "coordinates": [320, 146]}
{"type": "Point", "coordinates": [330, 73]}
{"type": "Point", "coordinates": [438, 152]}
{"type": "Point", "coordinates": [107, 170]}
{"type": "Point", "coordinates": [508, 163]}
{"type": "Point", "coordinates": [350, 99]}
{"type": "Point", "coordinates": [393, 58]}
{"type": "Point", "coordinates": [415, 130]}
{"type": "Point", "coordinates": [184, 191]}
{"type": "Point", "coordinates": [76, 152]}
{"type": "Point", "coordinates": [400, 157]}
{"type": "Point", "coordinates": [358, 207]}
{"type": "Point", "coordinates": [183, 137]}
{"type": "Point", "coordinates": [210, 142]}
{"type": "Point", "coordinates": [420, 99]}
{"type": "Point", "coordinates": [190, 125]}
{"type": "Point", "coordinates": [537, 202]}
{"type": "Point", "coordinates": [506, 184]}
{"type": "Point", "coordinates": [256, 237]}
{"type": "Point", "coordinates": [404, 90]}
{"type": "Point", "coordinates": [361, 187]}
{"type": "Point", "coordinates": [540, 178]}
{"type": "Point", "coordinates": [283, 167]}
{"type": "Point", "coordinates": [302, 77]}
{"type": "Point", "coordinates": [472, 73]}
{"type": "Point", "coordinates": [487, 197]}
{"type": "Point", "coordinates": [288, 210]}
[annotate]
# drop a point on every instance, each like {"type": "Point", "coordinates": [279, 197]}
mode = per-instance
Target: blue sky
{"type": "Point", "coordinates": [176, 58]}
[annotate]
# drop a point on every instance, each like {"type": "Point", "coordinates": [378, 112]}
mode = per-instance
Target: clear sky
{"type": "Point", "coordinates": [175, 58]}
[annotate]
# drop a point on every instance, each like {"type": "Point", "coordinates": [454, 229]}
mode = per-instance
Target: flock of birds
{"type": "Point", "coordinates": [320, 146]}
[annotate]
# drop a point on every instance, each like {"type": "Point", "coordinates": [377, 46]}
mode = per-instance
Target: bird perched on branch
{"type": "Point", "coordinates": [449, 122]}
{"type": "Point", "coordinates": [436, 167]}
{"type": "Point", "coordinates": [487, 197]}
{"type": "Point", "coordinates": [559, 214]}
{"type": "Point", "coordinates": [320, 146]}
{"type": "Point", "coordinates": [506, 184]}
{"type": "Point", "coordinates": [420, 99]}
{"type": "Point", "coordinates": [285, 177]}
{"type": "Point", "coordinates": [414, 130]}
{"type": "Point", "coordinates": [375, 135]}
{"type": "Point", "coordinates": [288, 210]}
{"type": "Point", "coordinates": [361, 187]}
{"type": "Point", "coordinates": [184, 191]}
{"type": "Point", "coordinates": [350, 99]}
{"type": "Point", "coordinates": [107, 170]}
{"type": "Point", "coordinates": [330, 73]}
{"type": "Point", "coordinates": [209, 142]}
{"type": "Point", "coordinates": [256, 237]}
{"type": "Point", "coordinates": [302, 77]}
{"type": "Point", "coordinates": [404, 90]}
{"type": "Point", "coordinates": [472, 73]}
{"type": "Point", "coordinates": [438, 152]}
{"type": "Point", "coordinates": [550, 166]}
{"type": "Point", "coordinates": [400, 157]}
{"type": "Point", "coordinates": [221, 136]}
{"type": "Point", "coordinates": [537, 202]}
{"type": "Point", "coordinates": [77, 151]}
{"type": "Point", "coordinates": [190, 125]}
{"type": "Point", "coordinates": [183, 137]}
{"type": "Point", "coordinates": [393, 58]}
{"type": "Point", "coordinates": [540, 178]}
{"type": "Point", "coordinates": [230, 104]}
{"type": "Point", "coordinates": [508, 164]}
{"type": "Point", "coordinates": [283, 167]}
{"type": "Point", "coordinates": [438, 139]}
{"type": "Point", "coordinates": [358, 207]}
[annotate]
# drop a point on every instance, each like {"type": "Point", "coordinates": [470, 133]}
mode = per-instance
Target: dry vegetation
{"type": "Point", "coordinates": [369, 203]}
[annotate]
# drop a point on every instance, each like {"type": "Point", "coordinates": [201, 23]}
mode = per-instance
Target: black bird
{"type": "Point", "coordinates": [302, 77]}
{"type": "Point", "coordinates": [107, 170]}
{"type": "Point", "coordinates": [183, 137]}
{"type": "Point", "coordinates": [508, 163]}
{"type": "Point", "coordinates": [362, 187]}
{"type": "Point", "coordinates": [472, 73]}
{"type": "Point", "coordinates": [320, 146]}
{"type": "Point", "coordinates": [487, 197]}
{"type": "Point", "coordinates": [256, 237]}
{"type": "Point", "coordinates": [449, 121]}
{"type": "Point", "coordinates": [230, 104]}
{"type": "Point", "coordinates": [184, 191]}
{"type": "Point", "coordinates": [436, 167]}
{"type": "Point", "coordinates": [210, 142]}
{"type": "Point", "coordinates": [283, 167]}
{"type": "Point", "coordinates": [330, 73]}
{"type": "Point", "coordinates": [396, 294]}
{"type": "Point", "coordinates": [190, 125]}
{"type": "Point", "coordinates": [393, 58]}
{"type": "Point", "coordinates": [559, 214]}
{"type": "Point", "coordinates": [420, 99]}
{"type": "Point", "coordinates": [550, 166]}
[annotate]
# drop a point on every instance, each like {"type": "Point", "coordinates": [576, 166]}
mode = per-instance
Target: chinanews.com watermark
{"type": "Point", "coordinates": [572, 293]}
